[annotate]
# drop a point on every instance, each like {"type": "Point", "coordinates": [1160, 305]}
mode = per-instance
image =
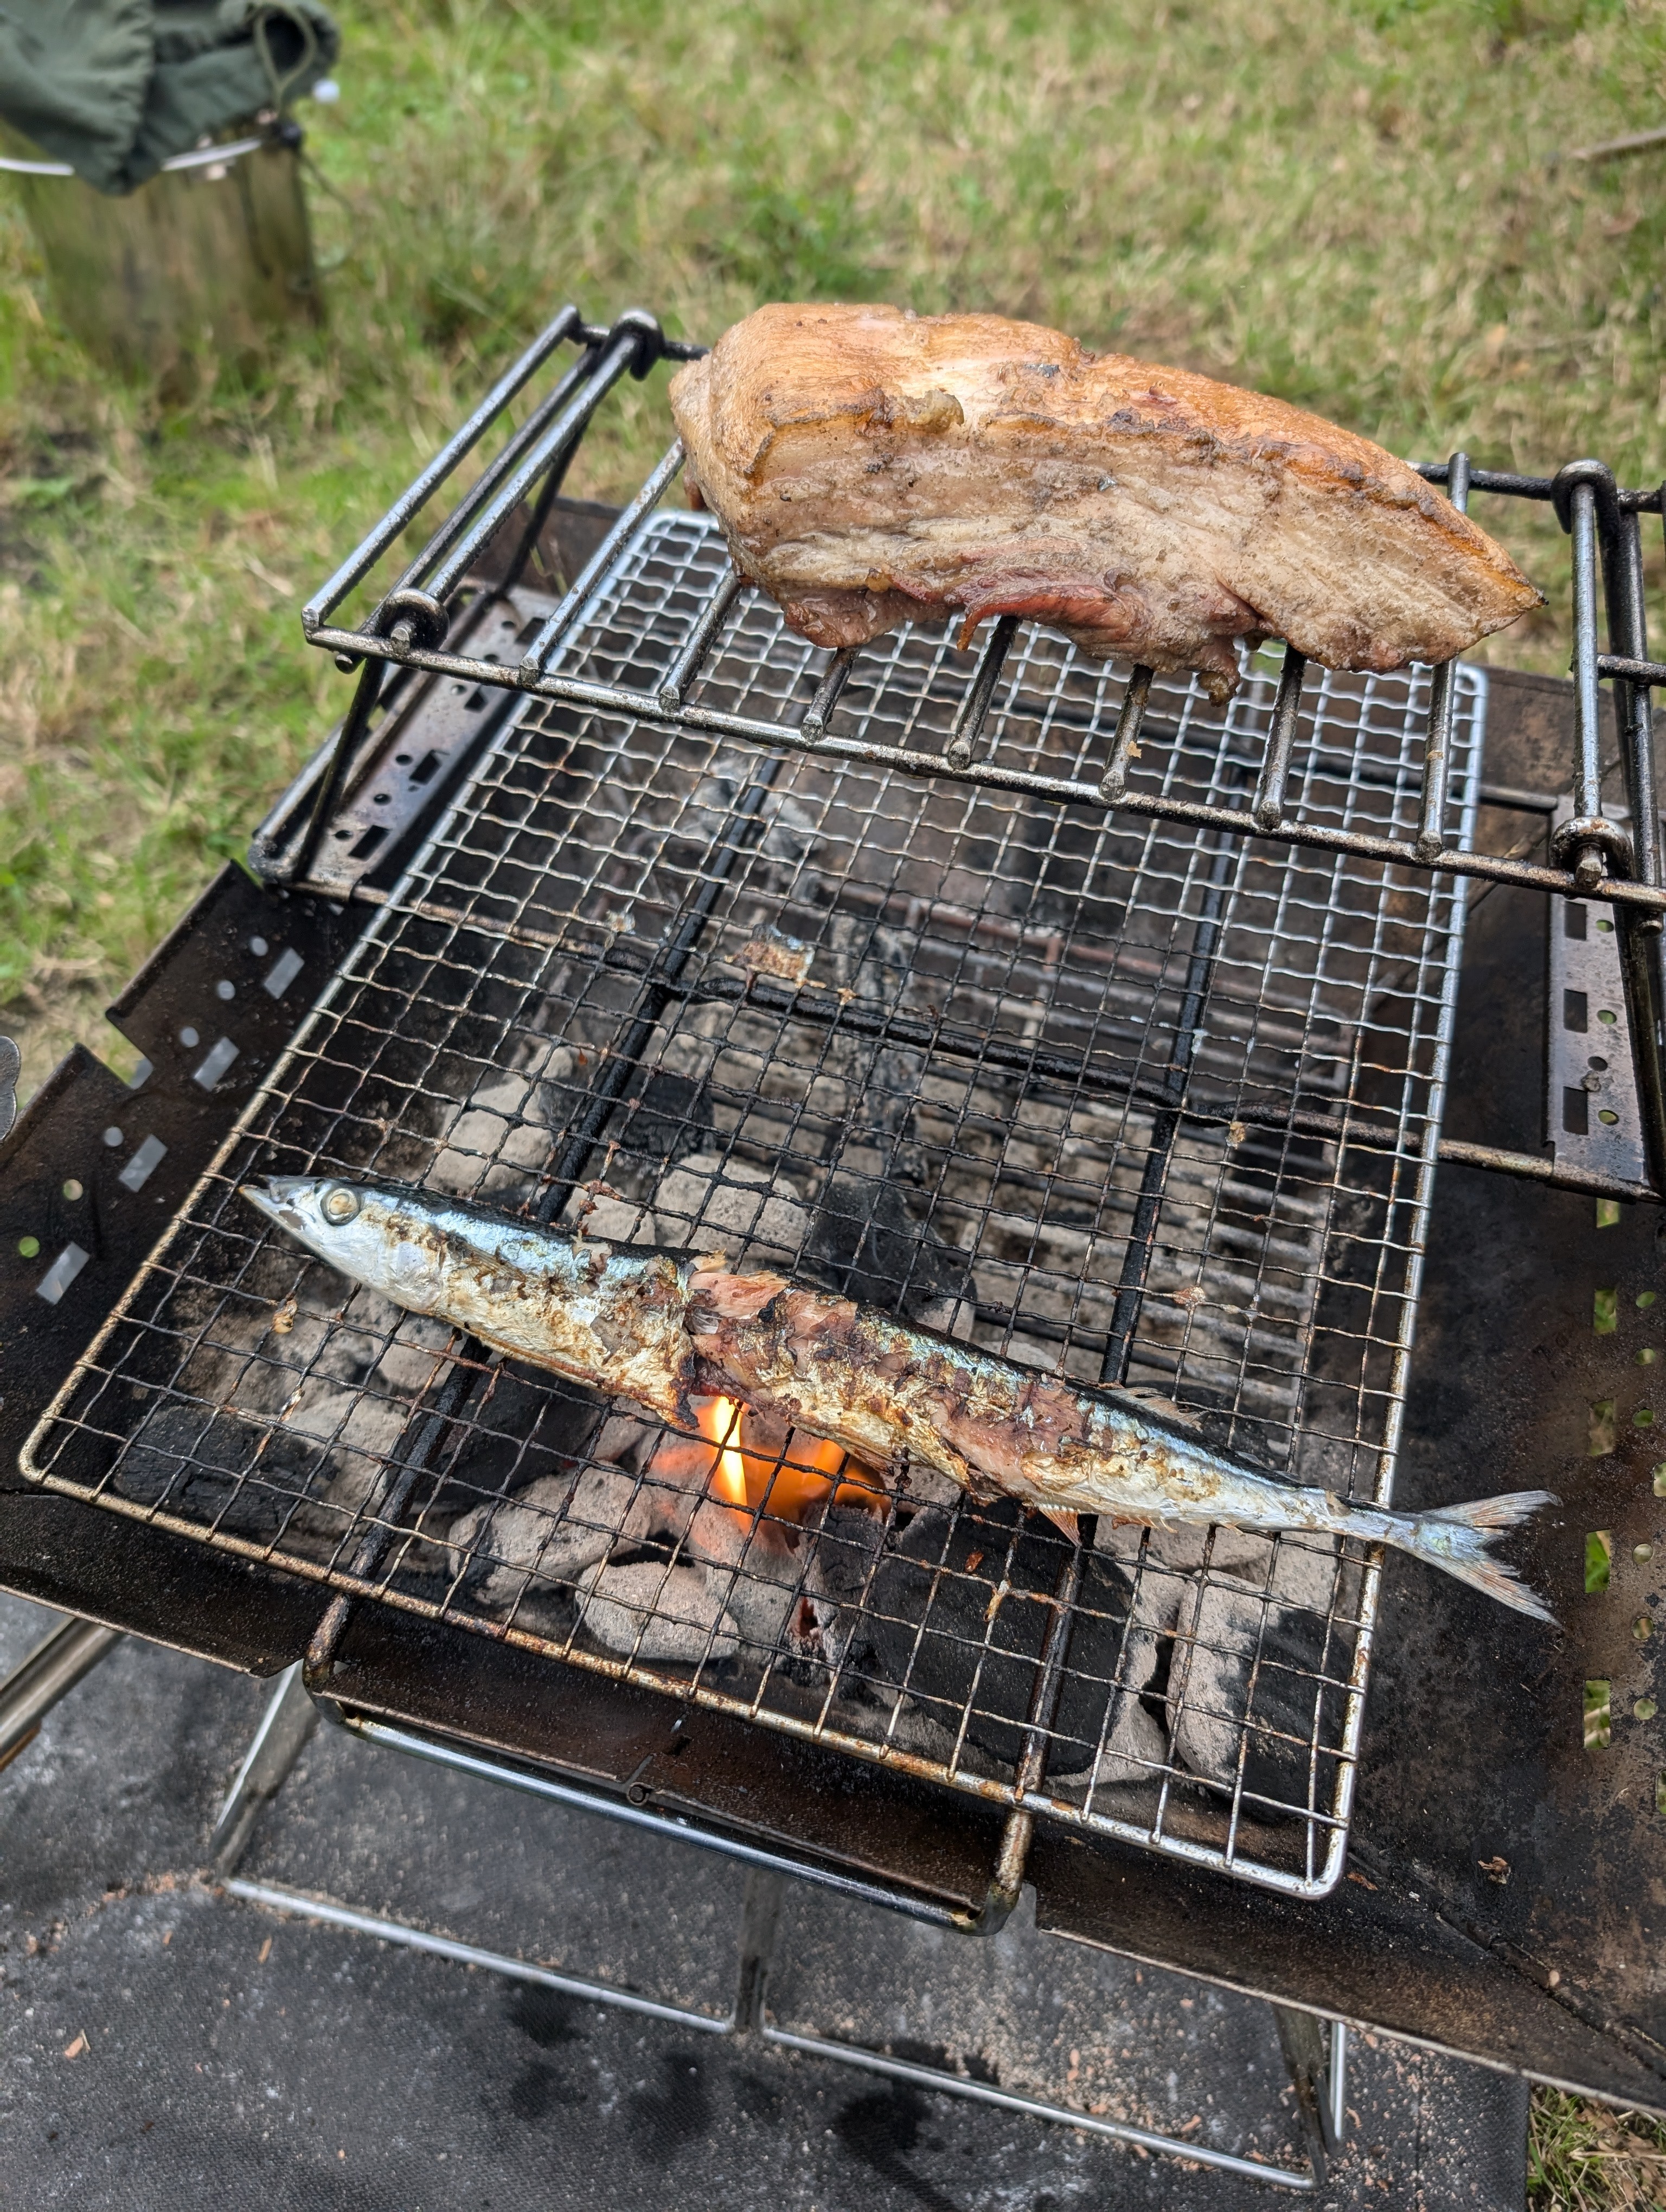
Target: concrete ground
{"type": "Point", "coordinates": [163, 2043]}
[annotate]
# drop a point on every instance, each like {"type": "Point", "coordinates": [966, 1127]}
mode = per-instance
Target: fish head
{"type": "Point", "coordinates": [368, 1235]}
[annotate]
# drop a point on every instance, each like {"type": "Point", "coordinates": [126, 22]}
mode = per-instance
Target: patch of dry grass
{"type": "Point", "coordinates": [1355, 206]}
{"type": "Point", "coordinates": [1584, 2158]}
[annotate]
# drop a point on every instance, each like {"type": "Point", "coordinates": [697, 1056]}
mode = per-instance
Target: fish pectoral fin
{"type": "Point", "coordinates": [1064, 1521]}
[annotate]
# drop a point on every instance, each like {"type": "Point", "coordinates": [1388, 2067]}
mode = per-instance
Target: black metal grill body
{"type": "Point", "coordinates": [427, 1669]}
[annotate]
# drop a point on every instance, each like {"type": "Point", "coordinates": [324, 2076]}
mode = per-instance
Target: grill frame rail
{"type": "Point", "coordinates": [1594, 855]}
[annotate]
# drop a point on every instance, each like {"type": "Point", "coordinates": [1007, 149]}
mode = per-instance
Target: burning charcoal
{"type": "Point", "coordinates": [868, 1246]}
{"type": "Point", "coordinates": [546, 1535]}
{"type": "Point", "coordinates": [1135, 1745]}
{"type": "Point", "coordinates": [665, 1118]}
{"type": "Point", "coordinates": [1225, 1550]}
{"type": "Point", "coordinates": [709, 1201]}
{"type": "Point", "coordinates": [648, 1610]}
{"type": "Point", "coordinates": [1238, 1652]}
{"type": "Point", "coordinates": [761, 1588]}
{"type": "Point", "coordinates": [845, 1543]}
{"type": "Point", "coordinates": [958, 1614]}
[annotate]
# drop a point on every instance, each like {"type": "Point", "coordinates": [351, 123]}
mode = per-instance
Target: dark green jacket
{"type": "Point", "coordinates": [115, 87]}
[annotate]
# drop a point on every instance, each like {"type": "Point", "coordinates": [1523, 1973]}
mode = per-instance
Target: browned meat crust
{"type": "Point", "coordinates": [868, 466]}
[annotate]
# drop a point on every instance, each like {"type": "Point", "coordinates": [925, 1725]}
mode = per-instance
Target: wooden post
{"type": "Point", "coordinates": [207, 261]}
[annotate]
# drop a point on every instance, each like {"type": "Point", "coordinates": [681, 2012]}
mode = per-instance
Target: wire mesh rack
{"type": "Point", "coordinates": [1123, 1094]}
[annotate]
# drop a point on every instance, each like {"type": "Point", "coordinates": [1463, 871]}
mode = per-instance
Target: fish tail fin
{"type": "Point", "coordinates": [1459, 1539]}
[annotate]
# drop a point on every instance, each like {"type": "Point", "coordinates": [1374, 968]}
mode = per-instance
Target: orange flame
{"type": "Point", "coordinates": [789, 1487]}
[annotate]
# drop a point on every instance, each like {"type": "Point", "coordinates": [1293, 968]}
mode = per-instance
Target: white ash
{"type": "Point", "coordinates": [526, 1547]}
{"type": "Point", "coordinates": [650, 1610]}
{"type": "Point", "coordinates": [1242, 1687]}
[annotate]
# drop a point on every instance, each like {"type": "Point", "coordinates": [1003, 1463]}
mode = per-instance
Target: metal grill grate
{"type": "Point", "coordinates": [1112, 1094]}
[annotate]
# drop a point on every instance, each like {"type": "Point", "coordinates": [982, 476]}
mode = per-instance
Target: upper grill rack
{"type": "Point", "coordinates": [1595, 855]}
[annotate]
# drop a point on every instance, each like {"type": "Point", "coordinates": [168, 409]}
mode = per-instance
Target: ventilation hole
{"type": "Point", "coordinates": [1607, 1016]}
{"type": "Point", "coordinates": [340, 834]}
{"type": "Point", "coordinates": [1576, 1112]}
{"type": "Point", "coordinates": [188, 1037]}
{"type": "Point", "coordinates": [368, 844]}
{"type": "Point", "coordinates": [225, 990]}
{"type": "Point", "coordinates": [381, 799]}
{"type": "Point", "coordinates": [1599, 1559]}
{"type": "Point", "coordinates": [1660, 1793]}
{"type": "Point", "coordinates": [1607, 1213]}
{"type": "Point", "coordinates": [258, 946]}
{"type": "Point", "coordinates": [1607, 929]}
{"type": "Point", "coordinates": [112, 1137]}
{"type": "Point", "coordinates": [1646, 1299]}
{"type": "Point", "coordinates": [1659, 1473]}
{"type": "Point", "coordinates": [1648, 1355]}
{"type": "Point", "coordinates": [425, 770]}
{"type": "Point", "coordinates": [1645, 1708]}
{"type": "Point", "coordinates": [1642, 1629]}
{"type": "Point", "coordinates": [1606, 1116]}
{"type": "Point", "coordinates": [1644, 1417]}
{"type": "Point", "coordinates": [72, 1190]}
{"type": "Point", "coordinates": [1599, 1726]}
{"type": "Point", "coordinates": [1605, 1312]}
{"type": "Point", "coordinates": [402, 760]}
{"type": "Point", "coordinates": [1573, 920]}
{"type": "Point", "coordinates": [475, 702]}
{"type": "Point", "coordinates": [1599, 1435]}
{"type": "Point", "coordinates": [29, 1246]}
{"type": "Point", "coordinates": [1575, 1012]}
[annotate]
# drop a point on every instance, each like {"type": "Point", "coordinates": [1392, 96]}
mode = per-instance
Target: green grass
{"type": "Point", "coordinates": [1354, 206]}
{"type": "Point", "coordinates": [1584, 2157]}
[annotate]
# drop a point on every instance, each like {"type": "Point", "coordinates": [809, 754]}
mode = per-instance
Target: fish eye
{"type": "Point", "coordinates": [339, 1204]}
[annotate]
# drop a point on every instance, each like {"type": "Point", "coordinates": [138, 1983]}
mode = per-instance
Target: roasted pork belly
{"type": "Point", "coordinates": [868, 466]}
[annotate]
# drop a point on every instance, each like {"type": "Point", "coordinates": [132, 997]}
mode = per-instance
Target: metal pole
{"type": "Point", "coordinates": [51, 1672]}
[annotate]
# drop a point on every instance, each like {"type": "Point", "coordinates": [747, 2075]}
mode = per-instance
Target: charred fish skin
{"type": "Point", "coordinates": [661, 1328]}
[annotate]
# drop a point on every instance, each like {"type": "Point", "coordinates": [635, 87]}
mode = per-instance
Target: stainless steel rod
{"type": "Point", "coordinates": [970, 717]}
{"type": "Point", "coordinates": [629, 522]}
{"type": "Point", "coordinates": [1125, 743]}
{"type": "Point", "coordinates": [633, 1816]}
{"type": "Point", "coordinates": [687, 666]}
{"type": "Point", "coordinates": [411, 502]}
{"type": "Point", "coordinates": [278, 1897]}
{"type": "Point", "coordinates": [51, 1672]}
{"type": "Point", "coordinates": [1443, 686]}
{"type": "Point", "coordinates": [1587, 767]}
{"type": "Point", "coordinates": [838, 675]}
{"type": "Point", "coordinates": [457, 521]}
{"type": "Point", "coordinates": [564, 432]}
{"type": "Point", "coordinates": [932, 2077]}
{"type": "Point", "coordinates": [1269, 806]}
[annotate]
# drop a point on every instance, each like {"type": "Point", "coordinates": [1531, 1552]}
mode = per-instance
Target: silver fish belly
{"type": "Point", "coordinates": [661, 1328]}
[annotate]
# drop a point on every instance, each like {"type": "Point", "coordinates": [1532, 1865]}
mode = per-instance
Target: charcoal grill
{"type": "Point", "coordinates": [1036, 999]}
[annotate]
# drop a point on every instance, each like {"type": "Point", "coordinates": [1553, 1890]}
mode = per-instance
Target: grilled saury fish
{"type": "Point", "coordinates": [661, 1328]}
